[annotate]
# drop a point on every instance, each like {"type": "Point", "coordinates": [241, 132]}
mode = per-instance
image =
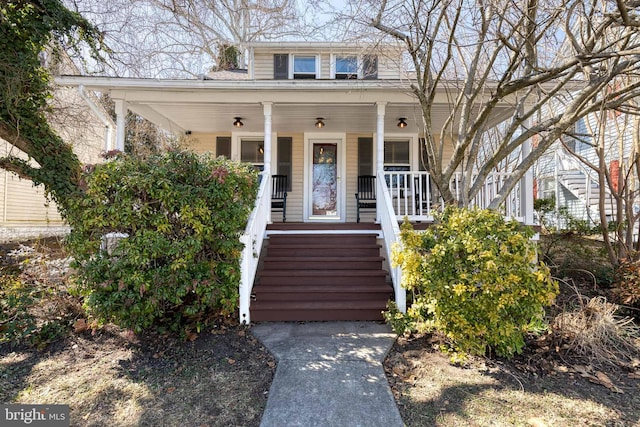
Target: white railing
{"type": "Point", "coordinates": [252, 240]}
{"type": "Point", "coordinates": [391, 234]}
{"type": "Point", "coordinates": [414, 195]}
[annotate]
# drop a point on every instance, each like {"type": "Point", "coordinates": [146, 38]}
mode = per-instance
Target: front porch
{"type": "Point", "coordinates": [333, 270]}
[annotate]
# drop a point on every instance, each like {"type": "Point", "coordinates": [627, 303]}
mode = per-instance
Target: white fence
{"type": "Point", "coordinates": [414, 195]}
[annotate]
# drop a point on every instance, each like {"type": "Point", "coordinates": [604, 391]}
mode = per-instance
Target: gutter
{"type": "Point", "coordinates": [108, 123]}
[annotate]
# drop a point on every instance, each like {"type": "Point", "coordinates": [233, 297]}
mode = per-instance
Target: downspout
{"type": "Point", "coordinates": [108, 123]}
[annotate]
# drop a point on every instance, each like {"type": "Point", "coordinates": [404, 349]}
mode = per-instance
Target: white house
{"type": "Point", "coordinates": [25, 211]}
{"type": "Point", "coordinates": [323, 115]}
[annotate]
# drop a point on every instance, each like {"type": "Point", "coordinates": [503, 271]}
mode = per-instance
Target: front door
{"type": "Point", "coordinates": [324, 182]}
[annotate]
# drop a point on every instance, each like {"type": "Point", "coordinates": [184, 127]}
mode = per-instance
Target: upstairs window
{"type": "Point", "coordinates": [346, 67]}
{"type": "Point", "coordinates": [304, 67]}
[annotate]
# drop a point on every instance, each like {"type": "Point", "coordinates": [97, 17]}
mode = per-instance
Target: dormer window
{"type": "Point", "coordinates": [346, 67]}
{"type": "Point", "coordinates": [304, 67]}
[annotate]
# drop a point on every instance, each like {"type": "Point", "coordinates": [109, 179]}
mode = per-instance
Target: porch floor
{"type": "Point", "coordinates": [338, 226]}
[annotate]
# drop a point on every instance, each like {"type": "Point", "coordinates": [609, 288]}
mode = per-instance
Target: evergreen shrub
{"type": "Point", "coordinates": [474, 277]}
{"type": "Point", "coordinates": [179, 266]}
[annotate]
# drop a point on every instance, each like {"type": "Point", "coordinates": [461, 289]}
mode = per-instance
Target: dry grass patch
{"type": "Point", "coordinates": [595, 333]}
{"type": "Point", "coordinates": [221, 379]}
{"type": "Point", "coordinates": [432, 392]}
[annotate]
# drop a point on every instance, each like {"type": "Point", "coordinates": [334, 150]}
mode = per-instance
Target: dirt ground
{"type": "Point", "coordinates": [115, 379]}
{"type": "Point", "coordinates": [110, 377]}
{"type": "Point", "coordinates": [534, 389]}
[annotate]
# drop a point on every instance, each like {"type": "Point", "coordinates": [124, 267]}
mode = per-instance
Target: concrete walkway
{"type": "Point", "coordinates": [329, 374]}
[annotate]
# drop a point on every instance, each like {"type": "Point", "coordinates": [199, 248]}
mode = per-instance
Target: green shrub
{"type": "Point", "coordinates": [179, 266]}
{"type": "Point", "coordinates": [473, 277]}
{"type": "Point", "coordinates": [32, 310]}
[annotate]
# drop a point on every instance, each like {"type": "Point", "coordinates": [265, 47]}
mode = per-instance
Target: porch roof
{"type": "Point", "coordinates": [211, 105]}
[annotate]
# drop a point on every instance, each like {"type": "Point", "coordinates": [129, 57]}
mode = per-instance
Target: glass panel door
{"type": "Point", "coordinates": [324, 184]}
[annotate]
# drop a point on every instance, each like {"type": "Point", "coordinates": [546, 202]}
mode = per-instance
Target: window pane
{"type": "Point", "coordinates": [346, 65]}
{"type": "Point", "coordinates": [304, 64]}
{"type": "Point", "coordinates": [252, 152]}
{"type": "Point", "coordinates": [396, 152]}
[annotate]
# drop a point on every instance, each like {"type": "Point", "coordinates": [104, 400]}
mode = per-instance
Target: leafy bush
{"type": "Point", "coordinates": [473, 277]}
{"type": "Point", "coordinates": [35, 308]}
{"type": "Point", "coordinates": [626, 287]}
{"type": "Point", "coordinates": [183, 215]}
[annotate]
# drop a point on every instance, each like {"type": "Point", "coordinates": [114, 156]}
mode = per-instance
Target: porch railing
{"type": "Point", "coordinates": [414, 195]}
{"type": "Point", "coordinates": [391, 233]}
{"type": "Point", "coordinates": [252, 240]}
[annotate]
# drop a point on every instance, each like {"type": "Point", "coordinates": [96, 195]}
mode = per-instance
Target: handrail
{"type": "Point", "coordinates": [391, 236]}
{"type": "Point", "coordinates": [413, 194]}
{"type": "Point", "coordinates": [252, 240]}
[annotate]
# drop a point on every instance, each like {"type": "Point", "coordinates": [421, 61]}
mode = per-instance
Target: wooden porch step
{"type": "Point", "coordinates": [336, 240]}
{"type": "Point", "coordinates": [283, 311]}
{"type": "Point", "coordinates": [315, 227]}
{"type": "Point", "coordinates": [325, 292]}
{"type": "Point", "coordinates": [313, 250]}
{"type": "Point", "coordinates": [321, 276]}
{"type": "Point", "coordinates": [322, 263]}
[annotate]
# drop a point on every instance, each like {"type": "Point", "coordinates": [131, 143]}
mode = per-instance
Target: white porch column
{"type": "Point", "coordinates": [380, 149]}
{"type": "Point", "coordinates": [267, 136]}
{"type": "Point", "coordinates": [121, 114]}
{"type": "Point", "coordinates": [267, 107]}
{"type": "Point", "coordinates": [526, 188]}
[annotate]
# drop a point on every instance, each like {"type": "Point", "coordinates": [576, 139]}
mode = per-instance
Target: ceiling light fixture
{"type": "Point", "coordinates": [238, 123]}
{"type": "Point", "coordinates": [319, 122]}
{"type": "Point", "coordinates": [402, 123]}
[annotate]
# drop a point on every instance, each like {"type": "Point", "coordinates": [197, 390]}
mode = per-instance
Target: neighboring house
{"type": "Point", "coordinates": [323, 115]}
{"type": "Point", "coordinates": [561, 176]}
{"type": "Point", "coordinates": [25, 211]}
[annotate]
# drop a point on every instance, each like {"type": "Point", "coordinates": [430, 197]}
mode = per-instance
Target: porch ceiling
{"type": "Point", "coordinates": [210, 106]}
{"type": "Point", "coordinates": [290, 118]}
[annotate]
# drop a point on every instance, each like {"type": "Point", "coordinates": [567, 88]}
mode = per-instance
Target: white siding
{"type": "Point", "coordinates": [389, 64]}
{"type": "Point", "coordinates": [263, 66]}
{"type": "Point", "coordinates": [204, 142]}
{"type": "Point", "coordinates": [295, 198]}
{"type": "Point", "coordinates": [388, 68]}
{"type": "Point", "coordinates": [325, 66]}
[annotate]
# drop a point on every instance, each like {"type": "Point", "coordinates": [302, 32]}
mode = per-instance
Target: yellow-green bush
{"type": "Point", "coordinates": [474, 277]}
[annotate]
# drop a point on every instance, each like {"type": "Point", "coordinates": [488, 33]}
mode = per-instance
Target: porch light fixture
{"type": "Point", "coordinates": [402, 123]}
{"type": "Point", "coordinates": [238, 123]}
{"type": "Point", "coordinates": [319, 122]}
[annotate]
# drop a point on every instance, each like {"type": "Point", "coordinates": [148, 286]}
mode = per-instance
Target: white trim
{"type": "Point", "coordinates": [414, 149]}
{"type": "Point", "coordinates": [314, 137]}
{"type": "Point", "coordinates": [121, 112]}
{"type": "Point", "coordinates": [332, 64]}
{"type": "Point", "coordinates": [237, 137]}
